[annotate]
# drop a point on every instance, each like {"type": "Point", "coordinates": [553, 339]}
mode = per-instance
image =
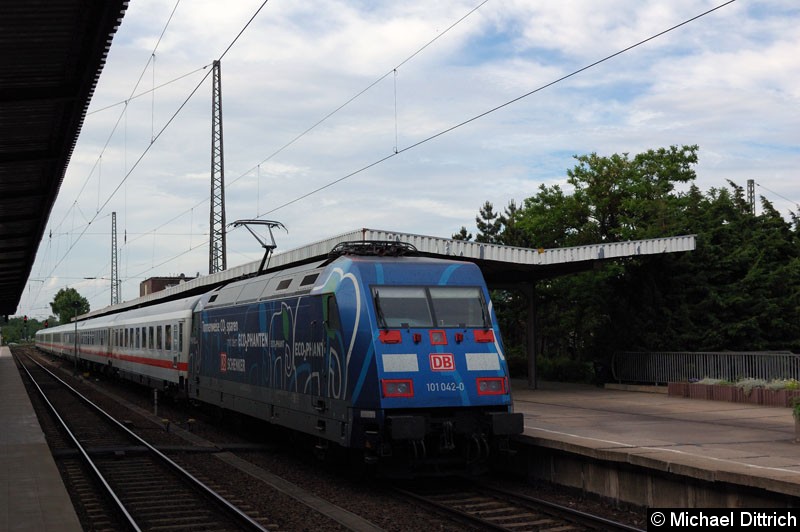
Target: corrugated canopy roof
{"type": "Point", "coordinates": [502, 266]}
{"type": "Point", "coordinates": [52, 54]}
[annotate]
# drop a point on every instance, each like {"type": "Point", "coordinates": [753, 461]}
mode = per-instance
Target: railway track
{"type": "Point", "coordinates": [487, 507]}
{"type": "Point", "coordinates": [123, 481]}
{"type": "Point", "coordinates": [220, 466]}
{"type": "Point", "coordinates": [213, 462]}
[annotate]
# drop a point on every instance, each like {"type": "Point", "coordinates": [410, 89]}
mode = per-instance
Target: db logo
{"type": "Point", "coordinates": [223, 362]}
{"type": "Point", "coordinates": [442, 362]}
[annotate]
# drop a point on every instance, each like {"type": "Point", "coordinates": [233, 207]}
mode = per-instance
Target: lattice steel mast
{"type": "Point", "coordinates": [217, 253]}
{"type": "Point", "coordinates": [114, 262]}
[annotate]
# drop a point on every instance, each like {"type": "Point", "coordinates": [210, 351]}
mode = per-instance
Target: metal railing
{"type": "Point", "coordinates": [664, 367]}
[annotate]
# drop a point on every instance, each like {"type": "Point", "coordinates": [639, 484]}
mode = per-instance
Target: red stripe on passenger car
{"type": "Point", "coordinates": [145, 361]}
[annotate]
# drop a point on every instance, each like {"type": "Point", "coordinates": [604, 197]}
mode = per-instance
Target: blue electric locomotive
{"type": "Point", "coordinates": [372, 349]}
{"type": "Point", "coordinates": [375, 349]}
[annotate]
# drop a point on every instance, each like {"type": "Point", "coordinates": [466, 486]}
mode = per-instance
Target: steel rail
{"type": "Point", "coordinates": [481, 495]}
{"type": "Point", "coordinates": [241, 517]}
{"type": "Point", "coordinates": [461, 516]}
{"type": "Point", "coordinates": [581, 517]}
{"type": "Point", "coordinates": [84, 454]}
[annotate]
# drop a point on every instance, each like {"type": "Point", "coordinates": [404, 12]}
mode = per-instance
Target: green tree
{"type": "Point", "coordinates": [489, 224]}
{"type": "Point", "coordinates": [629, 198]}
{"type": "Point", "coordinates": [746, 275]}
{"type": "Point", "coordinates": [12, 331]}
{"type": "Point", "coordinates": [738, 290]}
{"type": "Point", "coordinates": [18, 329]}
{"type": "Point", "coordinates": [66, 302]}
{"type": "Point", "coordinates": [615, 197]}
{"type": "Point", "coordinates": [552, 219]}
{"type": "Point", "coordinates": [511, 234]}
{"type": "Point", "coordinates": [463, 234]}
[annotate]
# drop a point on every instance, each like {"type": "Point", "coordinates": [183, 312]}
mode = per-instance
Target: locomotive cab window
{"type": "Point", "coordinates": [402, 306]}
{"type": "Point", "coordinates": [458, 306]}
{"type": "Point", "coordinates": [433, 306]}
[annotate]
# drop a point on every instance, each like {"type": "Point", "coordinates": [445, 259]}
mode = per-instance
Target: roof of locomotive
{"type": "Point", "coordinates": [291, 281]}
{"type": "Point", "coordinates": [303, 279]}
{"type": "Point", "coordinates": [298, 280]}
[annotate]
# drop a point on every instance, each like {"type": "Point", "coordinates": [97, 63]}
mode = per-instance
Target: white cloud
{"type": "Point", "coordinates": [728, 82]}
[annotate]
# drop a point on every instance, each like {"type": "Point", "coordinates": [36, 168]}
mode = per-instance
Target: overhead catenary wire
{"type": "Point", "coordinates": [106, 144]}
{"type": "Point", "coordinates": [122, 113]}
{"type": "Point", "coordinates": [398, 151]}
{"type": "Point", "coordinates": [360, 93]}
{"type": "Point", "coordinates": [174, 115]}
{"type": "Point", "coordinates": [133, 167]}
{"type": "Point", "coordinates": [797, 205]}
{"type": "Point", "coordinates": [149, 91]}
{"type": "Point", "coordinates": [227, 49]}
{"type": "Point", "coordinates": [128, 172]}
{"type": "Point", "coordinates": [495, 109]}
{"type": "Point", "coordinates": [363, 91]}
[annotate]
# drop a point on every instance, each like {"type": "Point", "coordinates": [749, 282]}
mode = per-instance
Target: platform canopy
{"type": "Point", "coordinates": [52, 54]}
{"type": "Point", "coordinates": [501, 265]}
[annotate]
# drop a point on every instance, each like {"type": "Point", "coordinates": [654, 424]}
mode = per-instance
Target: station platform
{"type": "Point", "coordinates": [32, 494]}
{"type": "Point", "coordinates": [736, 444]}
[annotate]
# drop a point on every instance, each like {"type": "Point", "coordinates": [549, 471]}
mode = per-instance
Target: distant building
{"type": "Point", "coordinates": [156, 284]}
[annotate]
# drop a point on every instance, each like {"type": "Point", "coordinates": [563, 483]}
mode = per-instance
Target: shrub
{"type": "Point", "coordinates": [565, 370]}
{"type": "Point", "coordinates": [708, 380]}
{"type": "Point", "coordinates": [779, 384]}
{"type": "Point", "coordinates": [796, 408]}
{"type": "Point", "coordinates": [747, 385]}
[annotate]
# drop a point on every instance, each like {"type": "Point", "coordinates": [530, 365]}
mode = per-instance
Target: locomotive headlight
{"type": "Point", "coordinates": [491, 386]}
{"type": "Point", "coordinates": [397, 387]}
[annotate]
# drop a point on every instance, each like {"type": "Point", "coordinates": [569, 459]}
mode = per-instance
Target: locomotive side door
{"type": "Point", "coordinates": [333, 376]}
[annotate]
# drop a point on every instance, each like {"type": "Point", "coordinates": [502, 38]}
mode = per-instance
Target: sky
{"type": "Point", "coordinates": [401, 116]}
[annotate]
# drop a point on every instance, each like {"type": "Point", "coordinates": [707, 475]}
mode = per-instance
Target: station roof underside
{"type": "Point", "coordinates": [502, 266]}
{"type": "Point", "coordinates": [53, 53]}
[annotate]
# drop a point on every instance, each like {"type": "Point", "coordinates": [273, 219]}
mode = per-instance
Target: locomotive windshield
{"type": "Point", "coordinates": [432, 306]}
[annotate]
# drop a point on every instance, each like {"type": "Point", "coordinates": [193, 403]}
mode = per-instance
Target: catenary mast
{"type": "Point", "coordinates": [114, 261]}
{"type": "Point", "coordinates": [217, 261]}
